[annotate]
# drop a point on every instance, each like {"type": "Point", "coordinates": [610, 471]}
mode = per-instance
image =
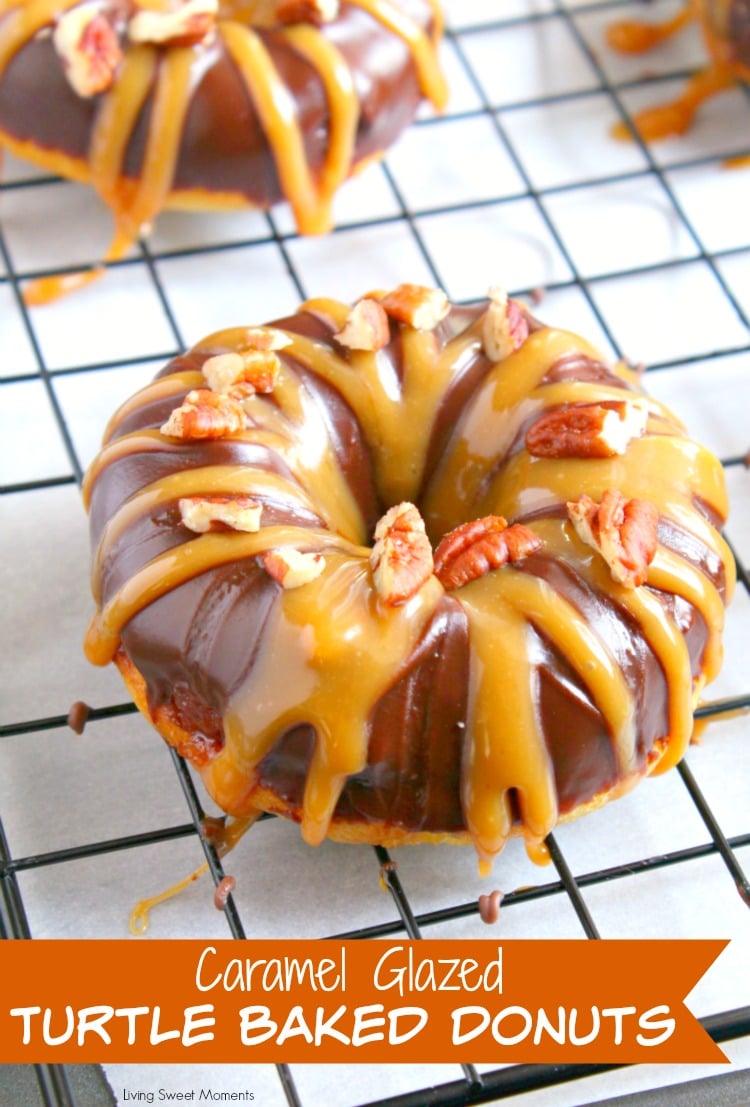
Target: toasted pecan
{"type": "Point", "coordinates": [477, 547]}
{"type": "Point", "coordinates": [623, 531]}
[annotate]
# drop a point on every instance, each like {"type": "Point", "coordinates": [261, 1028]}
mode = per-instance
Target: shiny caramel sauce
{"type": "Point", "coordinates": [343, 647]}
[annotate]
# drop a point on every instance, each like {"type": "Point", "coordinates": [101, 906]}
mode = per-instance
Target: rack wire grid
{"type": "Point", "coordinates": [645, 250]}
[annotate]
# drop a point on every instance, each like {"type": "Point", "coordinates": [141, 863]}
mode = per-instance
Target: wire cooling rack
{"type": "Point", "coordinates": [646, 251]}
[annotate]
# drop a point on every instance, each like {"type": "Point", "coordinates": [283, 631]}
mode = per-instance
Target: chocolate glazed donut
{"type": "Point", "coordinates": [208, 104]}
{"type": "Point", "coordinates": [409, 571]}
{"type": "Point", "coordinates": [726, 32]}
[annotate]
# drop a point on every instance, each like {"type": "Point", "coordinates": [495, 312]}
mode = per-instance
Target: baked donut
{"type": "Point", "coordinates": [210, 103]}
{"type": "Point", "coordinates": [726, 32]}
{"type": "Point", "coordinates": [409, 571]}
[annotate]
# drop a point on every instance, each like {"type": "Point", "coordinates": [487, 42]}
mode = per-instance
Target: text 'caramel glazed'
{"type": "Point", "coordinates": [210, 103]}
{"type": "Point", "coordinates": [409, 571]}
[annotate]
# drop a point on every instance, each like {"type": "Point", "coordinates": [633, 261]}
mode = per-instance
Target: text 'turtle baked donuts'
{"type": "Point", "coordinates": [409, 571]}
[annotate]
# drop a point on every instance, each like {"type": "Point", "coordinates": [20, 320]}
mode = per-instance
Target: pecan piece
{"type": "Point", "coordinates": [366, 327]}
{"type": "Point", "coordinates": [477, 547]}
{"type": "Point", "coordinates": [587, 430]}
{"type": "Point", "coordinates": [182, 24]}
{"type": "Point", "coordinates": [316, 12]}
{"type": "Point", "coordinates": [204, 513]}
{"type": "Point", "coordinates": [504, 326]}
{"type": "Point", "coordinates": [623, 531]}
{"type": "Point", "coordinates": [88, 47]}
{"type": "Point", "coordinates": [292, 568]}
{"type": "Point", "coordinates": [205, 414]}
{"type": "Point", "coordinates": [418, 306]}
{"type": "Point", "coordinates": [401, 558]}
{"type": "Point", "coordinates": [240, 374]}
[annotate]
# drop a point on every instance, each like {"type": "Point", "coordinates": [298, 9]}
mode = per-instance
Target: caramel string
{"type": "Point", "coordinates": [233, 832]}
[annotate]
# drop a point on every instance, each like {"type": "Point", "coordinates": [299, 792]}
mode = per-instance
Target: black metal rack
{"type": "Point", "coordinates": [570, 19]}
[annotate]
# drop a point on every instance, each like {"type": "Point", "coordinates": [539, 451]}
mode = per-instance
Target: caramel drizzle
{"type": "Point", "coordinates": [343, 104]}
{"type": "Point", "coordinates": [431, 80]}
{"type": "Point", "coordinates": [397, 417]}
{"type": "Point", "coordinates": [230, 480]}
{"type": "Point", "coordinates": [340, 652]}
{"type": "Point", "coordinates": [169, 72]}
{"type": "Point", "coordinates": [171, 569]}
{"type": "Point", "coordinates": [342, 647]}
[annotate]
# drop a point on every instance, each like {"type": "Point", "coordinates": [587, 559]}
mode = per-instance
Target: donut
{"type": "Point", "coordinates": [409, 571]}
{"type": "Point", "coordinates": [210, 104]}
{"type": "Point", "coordinates": [726, 32]}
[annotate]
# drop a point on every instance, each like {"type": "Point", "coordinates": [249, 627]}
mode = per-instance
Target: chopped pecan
{"type": "Point", "coordinates": [204, 513]}
{"type": "Point", "coordinates": [366, 327]}
{"type": "Point", "coordinates": [205, 414]}
{"type": "Point", "coordinates": [587, 430]}
{"type": "Point", "coordinates": [401, 558]}
{"type": "Point", "coordinates": [88, 47]}
{"type": "Point", "coordinates": [418, 306]}
{"type": "Point", "coordinates": [504, 327]}
{"type": "Point", "coordinates": [316, 12]}
{"type": "Point", "coordinates": [292, 568]}
{"type": "Point", "coordinates": [240, 374]}
{"type": "Point", "coordinates": [183, 23]}
{"type": "Point", "coordinates": [477, 547]}
{"type": "Point", "coordinates": [623, 531]}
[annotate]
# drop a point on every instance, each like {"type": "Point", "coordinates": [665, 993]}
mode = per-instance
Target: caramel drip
{"type": "Point", "coordinates": [229, 480]}
{"type": "Point", "coordinates": [162, 389]}
{"type": "Point", "coordinates": [340, 653]}
{"type": "Point", "coordinates": [672, 574]}
{"type": "Point", "coordinates": [431, 81]}
{"type": "Point", "coordinates": [343, 105]}
{"type": "Point", "coordinates": [110, 137]}
{"type": "Point", "coordinates": [660, 631]}
{"type": "Point", "coordinates": [278, 116]}
{"type": "Point", "coordinates": [170, 104]}
{"type": "Point", "coordinates": [585, 652]}
{"type": "Point", "coordinates": [182, 563]}
{"type": "Point", "coordinates": [505, 754]}
{"type": "Point", "coordinates": [397, 417]}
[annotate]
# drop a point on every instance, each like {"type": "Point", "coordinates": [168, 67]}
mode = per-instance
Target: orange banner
{"type": "Point", "coordinates": [369, 1001]}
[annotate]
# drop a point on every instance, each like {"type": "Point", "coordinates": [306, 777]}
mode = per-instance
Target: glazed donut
{"type": "Point", "coordinates": [211, 103]}
{"type": "Point", "coordinates": [726, 32]}
{"type": "Point", "coordinates": [409, 571]}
